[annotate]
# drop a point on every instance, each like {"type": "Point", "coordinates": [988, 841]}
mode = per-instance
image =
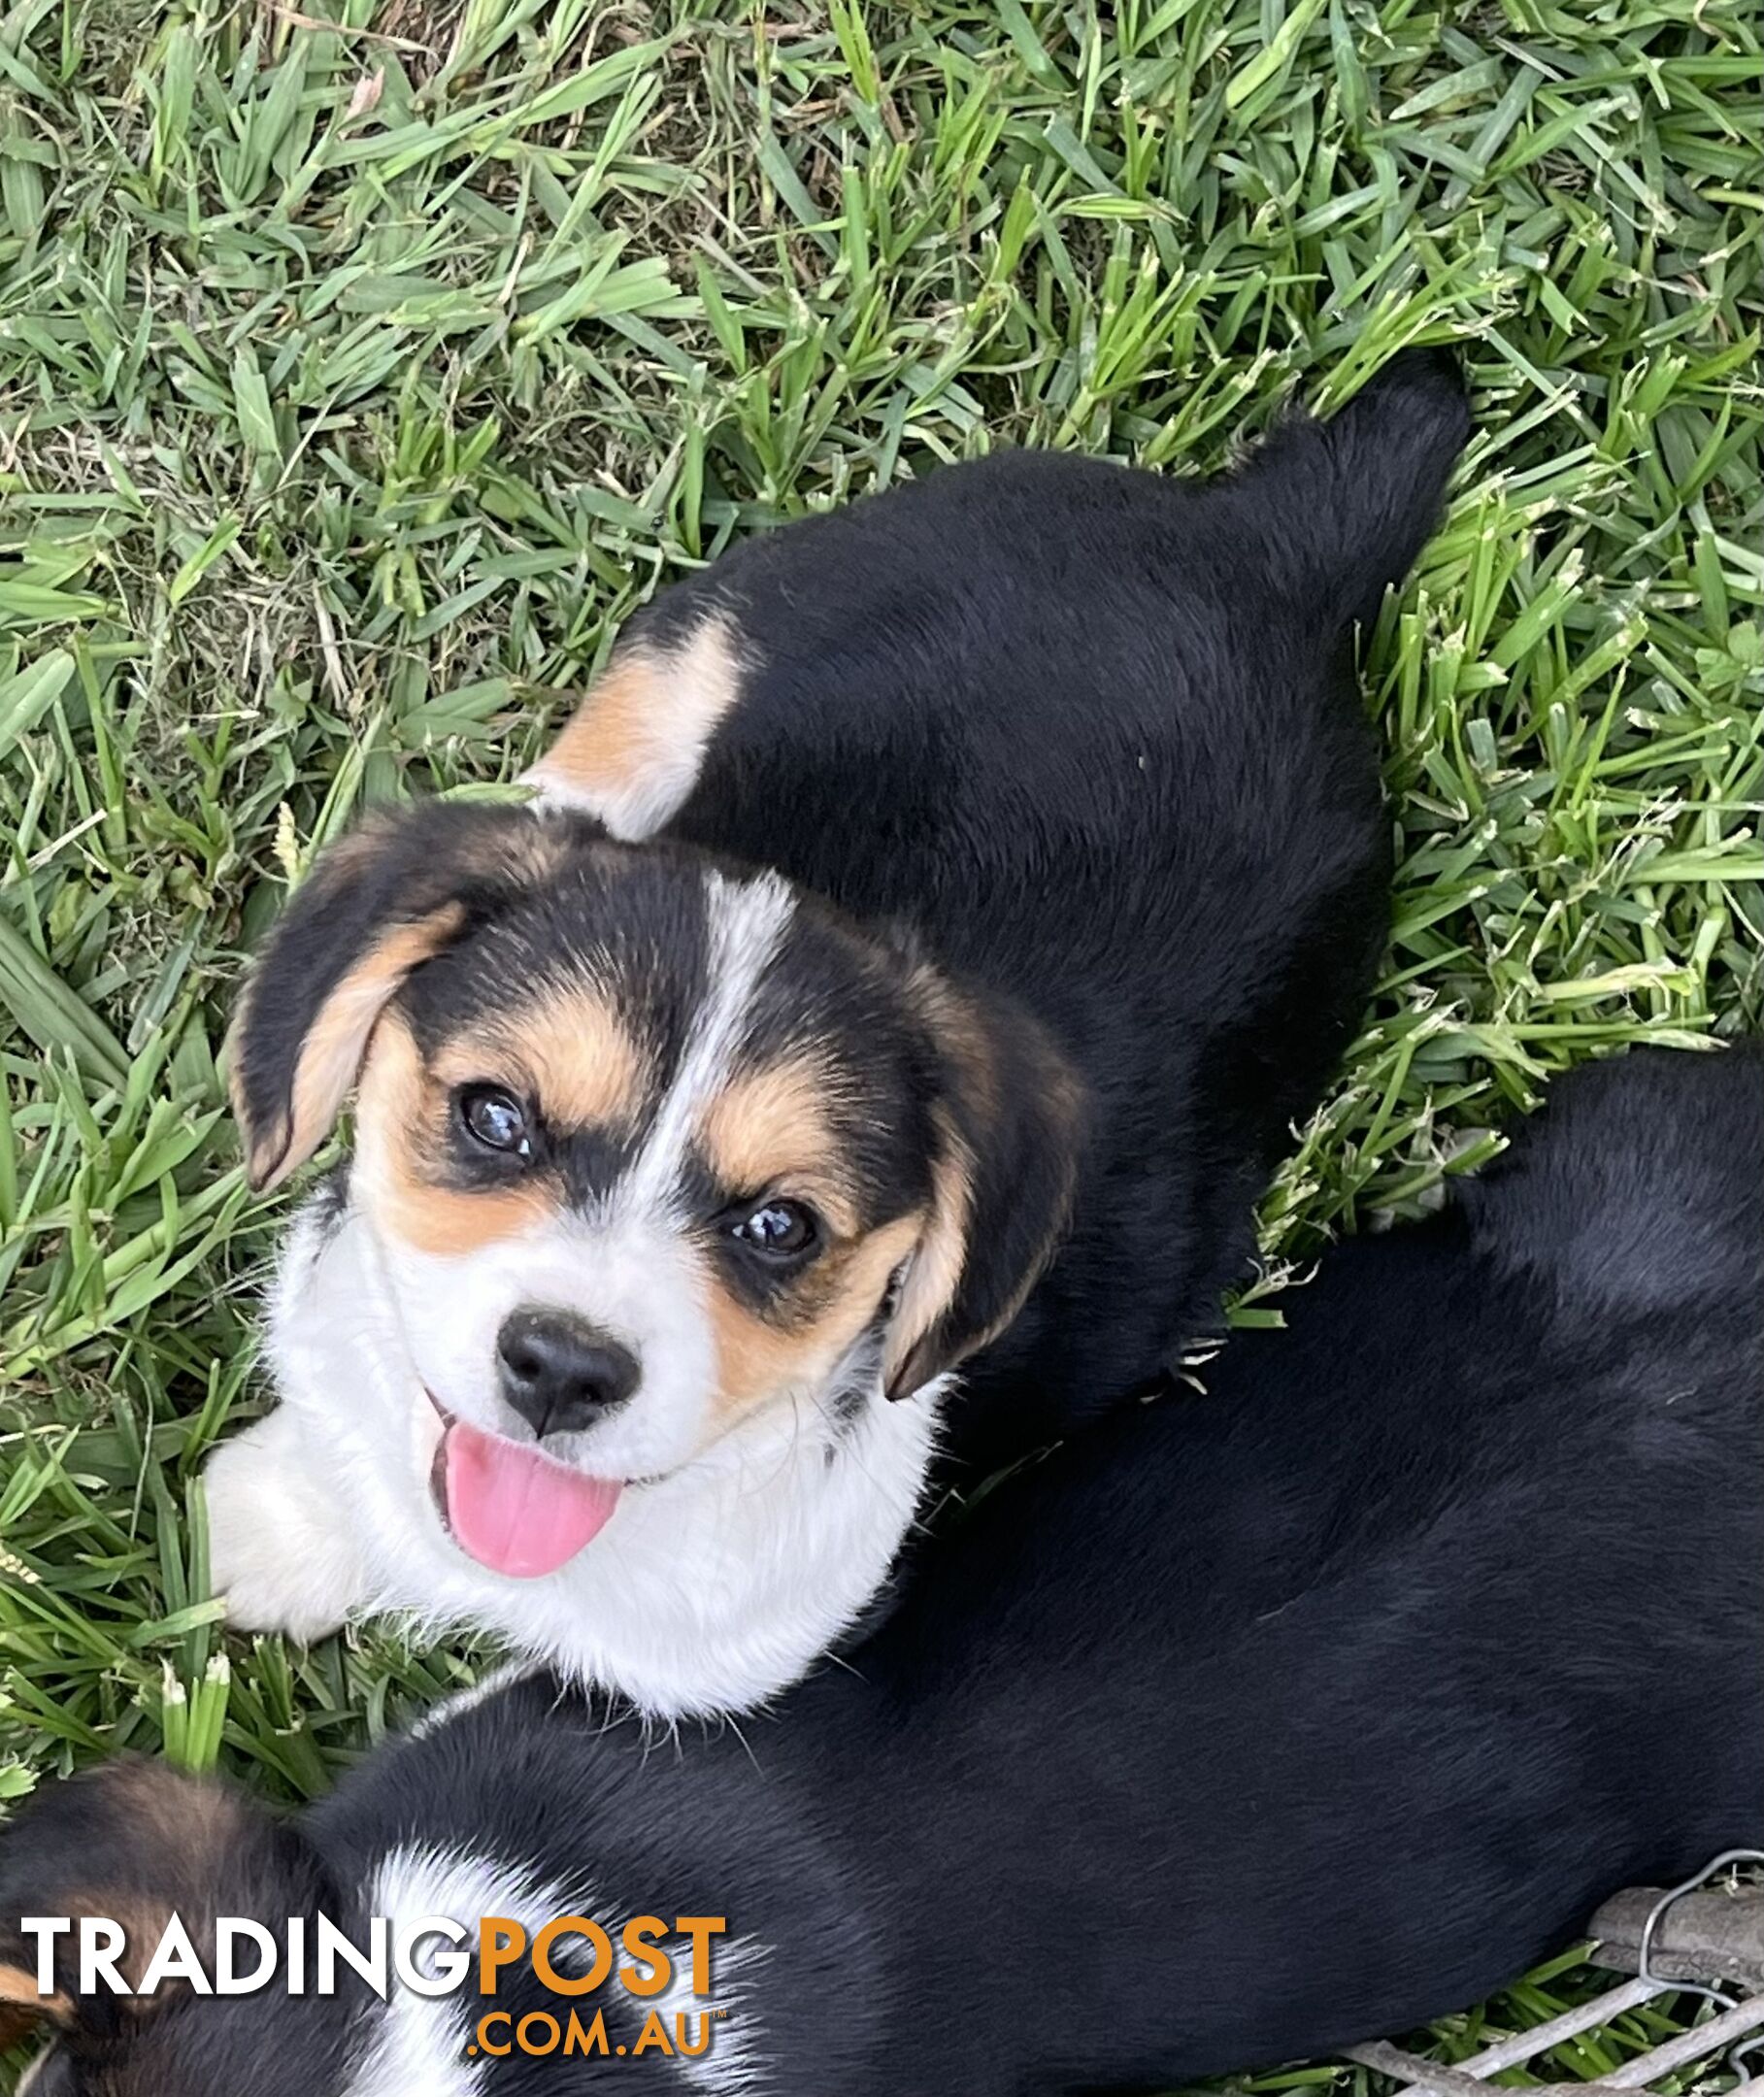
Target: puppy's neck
{"type": "Point", "coordinates": [710, 1590]}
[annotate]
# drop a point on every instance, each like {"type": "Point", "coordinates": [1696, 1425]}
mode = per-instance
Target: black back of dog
{"type": "Point", "coordinates": [1093, 735]}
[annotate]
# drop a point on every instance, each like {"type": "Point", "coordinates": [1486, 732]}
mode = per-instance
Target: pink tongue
{"type": "Point", "coordinates": [516, 1511]}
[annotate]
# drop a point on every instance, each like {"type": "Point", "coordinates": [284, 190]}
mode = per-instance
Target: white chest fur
{"type": "Point", "coordinates": [709, 1591]}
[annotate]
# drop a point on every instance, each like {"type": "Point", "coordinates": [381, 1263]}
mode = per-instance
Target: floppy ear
{"type": "Point", "coordinates": [386, 898]}
{"type": "Point", "coordinates": [1009, 1118]}
{"type": "Point", "coordinates": [135, 1843]}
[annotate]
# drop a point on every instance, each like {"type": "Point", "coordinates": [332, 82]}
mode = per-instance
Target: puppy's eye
{"type": "Point", "coordinates": [780, 1229]}
{"type": "Point", "coordinates": [495, 1118]}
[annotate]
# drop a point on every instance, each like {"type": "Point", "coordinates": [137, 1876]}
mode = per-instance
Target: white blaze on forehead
{"type": "Point", "coordinates": [745, 925]}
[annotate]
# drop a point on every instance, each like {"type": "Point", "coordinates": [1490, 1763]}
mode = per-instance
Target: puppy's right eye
{"type": "Point", "coordinates": [496, 1120]}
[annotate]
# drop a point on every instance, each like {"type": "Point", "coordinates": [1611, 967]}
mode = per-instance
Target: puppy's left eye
{"type": "Point", "coordinates": [780, 1229]}
{"type": "Point", "coordinates": [495, 1118]}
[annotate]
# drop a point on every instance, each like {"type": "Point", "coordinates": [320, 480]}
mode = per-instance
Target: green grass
{"type": "Point", "coordinates": [356, 381]}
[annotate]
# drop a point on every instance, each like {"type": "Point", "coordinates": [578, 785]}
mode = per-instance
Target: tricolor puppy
{"type": "Point", "coordinates": [1256, 1725]}
{"type": "Point", "coordinates": [939, 913]}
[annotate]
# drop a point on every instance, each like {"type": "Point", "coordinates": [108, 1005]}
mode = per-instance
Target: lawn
{"type": "Point", "coordinates": [358, 377]}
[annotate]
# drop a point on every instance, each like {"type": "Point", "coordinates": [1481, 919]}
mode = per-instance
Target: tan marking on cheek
{"type": "Point", "coordinates": [771, 1132]}
{"type": "Point", "coordinates": [586, 1069]}
{"type": "Point", "coordinates": [450, 1224]}
{"type": "Point", "coordinates": [759, 1360]}
{"type": "Point", "coordinates": [633, 750]}
{"type": "Point", "coordinates": [569, 1051]}
{"type": "Point", "coordinates": [336, 1040]}
{"type": "Point", "coordinates": [401, 1118]}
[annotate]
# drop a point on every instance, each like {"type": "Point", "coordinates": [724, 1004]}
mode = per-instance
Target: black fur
{"type": "Point", "coordinates": [1250, 1726]}
{"type": "Point", "coordinates": [1094, 736]}
{"type": "Point", "coordinates": [1089, 740]}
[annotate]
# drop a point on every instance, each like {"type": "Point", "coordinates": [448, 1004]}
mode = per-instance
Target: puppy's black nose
{"type": "Point", "coordinates": [559, 1373]}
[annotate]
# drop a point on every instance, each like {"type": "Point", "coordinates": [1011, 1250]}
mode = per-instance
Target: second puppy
{"type": "Point", "coordinates": [944, 910]}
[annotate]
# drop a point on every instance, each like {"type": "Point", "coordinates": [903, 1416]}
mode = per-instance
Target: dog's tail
{"type": "Point", "coordinates": [1639, 1186]}
{"type": "Point", "coordinates": [1360, 494]}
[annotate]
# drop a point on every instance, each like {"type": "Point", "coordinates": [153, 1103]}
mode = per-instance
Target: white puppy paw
{"type": "Point", "coordinates": [279, 1551]}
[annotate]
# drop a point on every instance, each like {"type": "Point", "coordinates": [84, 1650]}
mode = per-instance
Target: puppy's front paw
{"type": "Point", "coordinates": [279, 1551]}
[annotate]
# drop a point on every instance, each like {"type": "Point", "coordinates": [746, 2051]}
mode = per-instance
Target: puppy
{"type": "Point", "coordinates": [1251, 1727]}
{"type": "Point", "coordinates": [940, 915]}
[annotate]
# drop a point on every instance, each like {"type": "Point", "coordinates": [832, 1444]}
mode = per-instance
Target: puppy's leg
{"type": "Point", "coordinates": [632, 753]}
{"type": "Point", "coordinates": [280, 1549]}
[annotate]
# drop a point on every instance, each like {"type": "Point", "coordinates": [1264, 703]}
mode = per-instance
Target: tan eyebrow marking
{"type": "Point", "coordinates": [570, 1047]}
{"type": "Point", "coordinates": [771, 1128]}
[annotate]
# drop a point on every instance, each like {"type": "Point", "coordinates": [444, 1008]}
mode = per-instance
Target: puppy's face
{"type": "Point", "coordinates": [647, 1148]}
{"type": "Point", "coordinates": [645, 1155]}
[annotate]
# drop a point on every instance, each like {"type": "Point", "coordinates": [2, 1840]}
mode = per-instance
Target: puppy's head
{"type": "Point", "coordinates": [646, 1146]}
{"type": "Point", "coordinates": [125, 1850]}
